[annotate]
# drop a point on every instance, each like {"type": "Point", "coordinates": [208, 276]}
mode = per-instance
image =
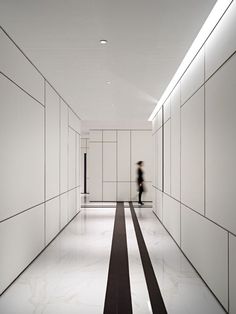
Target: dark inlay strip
{"type": "Point", "coordinates": [157, 303]}
{"type": "Point", "coordinates": [118, 295]}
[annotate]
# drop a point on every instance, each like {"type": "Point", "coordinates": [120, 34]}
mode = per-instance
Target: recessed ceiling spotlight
{"type": "Point", "coordinates": [103, 41]}
{"type": "Point", "coordinates": [108, 83]}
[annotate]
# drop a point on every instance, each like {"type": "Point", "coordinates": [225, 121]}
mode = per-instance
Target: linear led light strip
{"type": "Point", "coordinates": [218, 10]}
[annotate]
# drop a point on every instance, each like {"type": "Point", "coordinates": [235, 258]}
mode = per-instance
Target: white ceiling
{"type": "Point", "coordinates": [147, 39]}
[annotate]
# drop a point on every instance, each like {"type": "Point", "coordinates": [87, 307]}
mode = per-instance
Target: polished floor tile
{"type": "Point", "coordinates": [183, 291]}
{"type": "Point", "coordinates": [139, 293]}
{"type": "Point", "coordinates": [70, 276]}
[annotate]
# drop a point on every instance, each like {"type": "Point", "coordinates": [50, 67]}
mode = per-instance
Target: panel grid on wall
{"type": "Point", "coordinates": [113, 155]}
{"type": "Point", "coordinates": [40, 184]}
{"type": "Point", "coordinates": [196, 160]}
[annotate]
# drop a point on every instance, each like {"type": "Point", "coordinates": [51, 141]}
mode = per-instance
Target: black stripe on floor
{"type": "Point", "coordinates": [157, 303]}
{"type": "Point", "coordinates": [118, 295]}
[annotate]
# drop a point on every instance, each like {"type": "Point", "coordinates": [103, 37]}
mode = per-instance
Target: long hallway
{"type": "Point", "coordinates": [71, 274]}
{"type": "Point", "coordinates": [117, 156]}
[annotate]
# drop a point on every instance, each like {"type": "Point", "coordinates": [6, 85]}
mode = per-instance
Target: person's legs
{"type": "Point", "coordinates": [140, 195]}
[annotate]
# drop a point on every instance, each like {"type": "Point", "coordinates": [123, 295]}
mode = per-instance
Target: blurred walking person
{"type": "Point", "coordinates": [140, 181]}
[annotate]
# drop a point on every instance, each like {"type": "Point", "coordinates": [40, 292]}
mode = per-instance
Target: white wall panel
{"type": "Point", "coordinates": [154, 159]}
{"type": "Point", "coordinates": [232, 274]}
{"type": "Point", "coordinates": [83, 151]}
{"type": "Point", "coordinates": [64, 147]}
{"type": "Point", "coordinates": [123, 191]}
{"type": "Point", "coordinates": [72, 159]}
{"type": "Point", "coordinates": [123, 155]}
{"type": "Point", "coordinates": [21, 240]}
{"type": "Point", "coordinates": [22, 150]}
{"type": "Point", "coordinates": [15, 65]}
{"type": "Point", "coordinates": [95, 135]}
{"type": "Point", "coordinates": [193, 77]}
{"type": "Point", "coordinates": [33, 136]}
{"type": "Point", "coordinates": [192, 152]}
{"type": "Point", "coordinates": [167, 158]}
{"type": "Point", "coordinates": [157, 122]}
{"type": "Point", "coordinates": [95, 168]}
{"type": "Point", "coordinates": [64, 209]}
{"type": "Point", "coordinates": [159, 204]}
{"type": "Point", "coordinates": [171, 216]}
{"type": "Point", "coordinates": [88, 169]}
{"type": "Point", "coordinates": [141, 147]}
{"type": "Point", "coordinates": [74, 121]}
{"type": "Point", "coordinates": [52, 219]}
{"type": "Point", "coordinates": [112, 164]}
{"type": "Point", "coordinates": [154, 199]}
{"type": "Point", "coordinates": [83, 142]}
{"type": "Point", "coordinates": [206, 245]}
{"type": "Point", "coordinates": [159, 118]}
{"type": "Point", "coordinates": [175, 100]}
{"type": "Point", "coordinates": [146, 196]}
{"type": "Point", "coordinates": [109, 191]}
{"type": "Point", "coordinates": [78, 200]}
{"type": "Point", "coordinates": [72, 204]}
{"type": "Point", "coordinates": [220, 146]}
{"type": "Point", "coordinates": [159, 159]}
{"type": "Point", "coordinates": [166, 110]}
{"type": "Point", "coordinates": [154, 124]}
{"type": "Point", "coordinates": [175, 155]}
{"type": "Point", "coordinates": [109, 161]}
{"type": "Point", "coordinates": [78, 155]}
{"type": "Point", "coordinates": [134, 192]}
{"type": "Point", "coordinates": [222, 42]}
{"type": "Point", "coordinates": [109, 136]}
{"type": "Point", "coordinates": [52, 143]}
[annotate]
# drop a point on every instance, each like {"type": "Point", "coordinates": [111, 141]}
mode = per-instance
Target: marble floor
{"type": "Point", "coordinates": [70, 276]}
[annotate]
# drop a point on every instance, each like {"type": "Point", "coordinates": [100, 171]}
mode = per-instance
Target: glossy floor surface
{"type": "Point", "coordinates": [70, 276]}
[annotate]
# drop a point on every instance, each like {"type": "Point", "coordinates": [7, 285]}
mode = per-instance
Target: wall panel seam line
{"type": "Point", "coordinates": [101, 129]}
{"type": "Point", "coordinates": [206, 80]}
{"type": "Point", "coordinates": [102, 165]}
{"type": "Point", "coordinates": [45, 158]}
{"type": "Point", "coordinates": [73, 129]}
{"type": "Point", "coordinates": [194, 210]}
{"type": "Point", "coordinates": [158, 129]}
{"type": "Point", "coordinates": [21, 88]}
{"type": "Point", "coordinates": [44, 248]}
{"type": "Point", "coordinates": [205, 217]}
{"type": "Point", "coordinates": [204, 130]}
{"type": "Point", "coordinates": [59, 162]}
{"type": "Point", "coordinates": [190, 97]}
{"type": "Point", "coordinates": [67, 162]}
{"type": "Point", "coordinates": [196, 55]}
{"type": "Point", "coordinates": [170, 145]}
{"type": "Point", "coordinates": [190, 262]}
{"type": "Point", "coordinates": [228, 274]}
{"type": "Point", "coordinates": [76, 166]}
{"type": "Point", "coordinates": [166, 121]}
{"type": "Point", "coordinates": [180, 160]}
{"type": "Point", "coordinates": [116, 162]}
{"type": "Point", "coordinates": [41, 203]}
{"type": "Point", "coordinates": [43, 77]}
{"type": "Point", "coordinates": [163, 147]}
{"type": "Point", "coordinates": [220, 66]}
{"type": "Point", "coordinates": [130, 171]}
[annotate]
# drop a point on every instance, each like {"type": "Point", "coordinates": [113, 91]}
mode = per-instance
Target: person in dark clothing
{"type": "Point", "coordinates": [140, 181]}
